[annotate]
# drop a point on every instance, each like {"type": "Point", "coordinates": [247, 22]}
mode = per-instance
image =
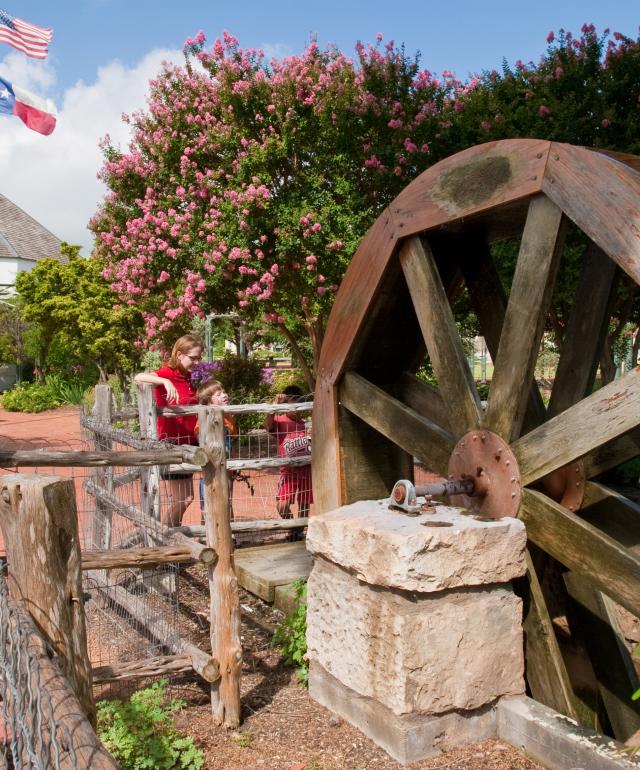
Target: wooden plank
{"type": "Point", "coordinates": [441, 335]}
{"type": "Point", "coordinates": [423, 399]}
{"type": "Point", "coordinates": [546, 673]}
{"type": "Point", "coordinates": [584, 334]}
{"type": "Point", "coordinates": [143, 558]}
{"type": "Point", "coordinates": [524, 321]}
{"type": "Point", "coordinates": [47, 458]}
{"type": "Point", "coordinates": [223, 585]}
{"type": "Point", "coordinates": [248, 525]}
{"type": "Point", "coordinates": [489, 302]}
{"type": "Point", "coordinates": [478, 179]}
{"type": "Point", "coordinates": [583, 548]}
{"type": "Point", "coordinates": [263, 568]}
{"type": "Point", "coordinates": [613, 513]}
{"type": "Point", "coordinates": [610, 658]}
{"type": "Point", "coordinates": [418, 436]}
{"type": "Point", "coordinates": [612, 453]}
{"type": "Point", "coordinates": [149, 477]}
{"type": "Point", "coordinates": [325, 452]}
{"type": "Point", "coordinates": [159, 665]}
{"type": "Point", "coordinates": [598, 193]}
{"type": "Point", "coordinates": [610, 412]}
{"type": "Point", "coordinates": [357, 291]}
{"type": "Point", "coordinates": [39, 520]}
{"type": "Point", "coordinates": [168, 411]}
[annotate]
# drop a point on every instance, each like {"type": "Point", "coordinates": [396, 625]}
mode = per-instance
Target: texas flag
{"type": "Point", "coordinates": [32, 111]}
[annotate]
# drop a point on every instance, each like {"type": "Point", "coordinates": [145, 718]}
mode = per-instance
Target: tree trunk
{"type": "Point", "coordinates": [308, 373]}
{"type": "Point", "coordinates": [607, 364]}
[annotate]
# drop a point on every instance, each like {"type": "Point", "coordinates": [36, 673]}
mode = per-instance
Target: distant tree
{"type": "Point", "coordinates": [74, 307]}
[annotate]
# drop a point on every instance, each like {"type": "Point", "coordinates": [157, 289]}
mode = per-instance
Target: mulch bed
{"type": "Point", "coordinates": [282, 728]}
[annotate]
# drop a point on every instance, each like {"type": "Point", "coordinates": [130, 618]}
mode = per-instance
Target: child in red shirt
{"type": "Point", "coordinates": [293, 441]}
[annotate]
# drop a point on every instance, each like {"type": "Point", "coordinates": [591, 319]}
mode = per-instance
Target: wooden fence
{"type": "Point", "coordinates": [45, 585]}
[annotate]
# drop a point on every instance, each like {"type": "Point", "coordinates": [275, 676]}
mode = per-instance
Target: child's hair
{"type": "Point", "coordinates": [181, 345]}
{"type": "Point", "coordinates": [293, 392]}
{"type": "Point", "coordinates": [207, 389]}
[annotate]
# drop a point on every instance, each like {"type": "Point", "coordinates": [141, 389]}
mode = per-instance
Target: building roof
{"type": "Point", "coordinates": [22, 237]}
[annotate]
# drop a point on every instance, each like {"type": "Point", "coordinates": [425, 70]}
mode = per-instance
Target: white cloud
{"type": "Point", "coordinates": [275, 51]}
{"type": "Point", "coordinates": [53, 178]}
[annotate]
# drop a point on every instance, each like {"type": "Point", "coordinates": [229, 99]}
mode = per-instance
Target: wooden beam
{"type": "Point", "coordinates": [529, 300]}
{"type": "Point", "coordinates": [47, 458]}
{"type": "Point", "coordinates": [612, 453]}
{"type": "Point", "coordinates": [613, 513]}
{"type": "Point", "coordinates": [223, 585]}
{"type": "Point", "coordinates": [159, 665]}
{"type": "Point", "coordinates": [610, 412]}
{"type": "Point", "coordinates": [325, 448]}
{"type": "Point", "coordinates": [583, 548]}
{"type": "Point", "coordinates": [423, 398]}
{"type": "Point", "coordinates": [423, 439]}
{"type": "Point", "coordinates": [547, 675]}
{"type": "Point", "coordinates": [144, 558]}
{"type": "Point", "coordinates": [248, 525]}
{"type": "Point", "coordinates": [610, 658]}
{"type": "Point", "coordinates": [584, 334]}
{"type": "Point", "coordinates": [489, 303]}
{"type": "Point", "coordinates": [441, 335]}
{"type": "Point", "coordinates": [39, 520]}
{"type": "Point", "coordinates": [174, 411]}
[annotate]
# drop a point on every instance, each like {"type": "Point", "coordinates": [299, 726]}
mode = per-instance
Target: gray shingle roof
{"type": "Point", "coordinates": [22, 237]}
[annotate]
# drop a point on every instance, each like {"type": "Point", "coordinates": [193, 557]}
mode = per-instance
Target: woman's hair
{"type": "Point", "coordinates": [293, 393]}
{"type": "Point", "coordinates": [181, 345]}
{"type": "Point", "coordinates": [207, 389]}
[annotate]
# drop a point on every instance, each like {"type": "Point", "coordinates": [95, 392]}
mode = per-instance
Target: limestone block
{"type": "Point", "coordinates": [431, 552]}
{"type": "Point", "coordinates": [415, 653]}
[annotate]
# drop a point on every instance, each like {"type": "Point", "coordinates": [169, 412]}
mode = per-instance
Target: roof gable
{"type": "Point", "coordinates": [22, 237]}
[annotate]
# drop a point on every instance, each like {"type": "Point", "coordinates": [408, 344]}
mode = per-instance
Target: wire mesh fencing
{"type": "Point", "coordinates": [30, 734]}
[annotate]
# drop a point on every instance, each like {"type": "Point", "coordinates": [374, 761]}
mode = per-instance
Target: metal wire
{"type": "Point", "coordinates": [30, 735]}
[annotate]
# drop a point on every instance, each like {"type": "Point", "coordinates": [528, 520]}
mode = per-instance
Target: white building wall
{"type": "Point", "coordinates": [9, 268]}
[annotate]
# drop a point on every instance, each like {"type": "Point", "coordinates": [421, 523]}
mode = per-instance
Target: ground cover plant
{"type": "Point", "coordinates": [291, 635]}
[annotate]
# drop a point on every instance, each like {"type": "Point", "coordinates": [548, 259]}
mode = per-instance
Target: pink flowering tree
{"type": "Point", "coordinates": [248, 185]}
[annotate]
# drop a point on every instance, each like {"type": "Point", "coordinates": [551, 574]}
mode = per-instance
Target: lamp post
{"type": "Point", "coordinates": [208, 337]}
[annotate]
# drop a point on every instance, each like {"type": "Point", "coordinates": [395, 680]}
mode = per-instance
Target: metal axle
{"type": "Point", "coordinates": [404, 495]}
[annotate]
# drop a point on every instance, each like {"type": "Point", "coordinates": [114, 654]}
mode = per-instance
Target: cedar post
{"type": "Point", "coordinates": [102, 411]}
{"type": "Point", "coordinates": [223, 585]}
{"type": "Point", "coordinates": [39, 521]}
{"type": "Point", "coordinates": [149, 477]}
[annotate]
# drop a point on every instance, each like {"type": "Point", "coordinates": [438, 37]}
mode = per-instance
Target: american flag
{"type": "Point", "coordinates": [26, 37]}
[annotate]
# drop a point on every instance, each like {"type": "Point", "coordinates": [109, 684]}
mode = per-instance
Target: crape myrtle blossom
{"type": "Point", "coordinates": [248, 184]}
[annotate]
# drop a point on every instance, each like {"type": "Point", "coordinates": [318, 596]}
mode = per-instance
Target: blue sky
{"type": "Point", "coordinates": [104, 51]}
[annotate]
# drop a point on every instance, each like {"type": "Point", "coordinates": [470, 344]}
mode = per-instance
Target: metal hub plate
{"type": "Point", "coordinates": [489, 461]}
{"type": "Point", "coordinates": [565, 485]}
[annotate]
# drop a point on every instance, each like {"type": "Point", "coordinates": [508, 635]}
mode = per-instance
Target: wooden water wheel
{"type": "Point", "coordinates": [373, 418]}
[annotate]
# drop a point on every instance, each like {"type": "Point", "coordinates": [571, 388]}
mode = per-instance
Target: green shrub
{"type": "Point", "coordinates": [291, 635]}
{"type": "Point", "coordinates": [30, 397]}
{"type": "Point", "coordinates": [140, 732]}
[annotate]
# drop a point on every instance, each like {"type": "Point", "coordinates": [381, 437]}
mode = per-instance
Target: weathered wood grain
{"type": "Point", "coordinates": [159, 665]}
{"type": "Point", "coordinates": [610, 658]}
{"type": "Point", "coordinates": [612, 513]}
{"type": "Point", "coordinates": [417, 435]}
{"type": "Point", "coordinates": [423, 398]}
{"type": "Point", "coordinates": [441, 336]}
{"type": "Point", "coordinates": [610, 412]}
{"type": "Point", "coordinates": [47, 458]}
{"type": "Point", "coordinates": [524, 321]}
{"type": "Point", "coordinates": [612, 453]}
{"type": "Point", "coordinates": [584, 333]}
{"type": "Point", "coordinates": [474, 180]}
{"type": "Point", "coordinates": [546, 673]}
{"type": "Point", "coordinates": [143, 558]}
{"type": "Point", "coordinates": [583, 548]}
{"type": "Point", "coordinates": [223, 584]}
{"type": "Point", "coordinates": [601, 196]}
{"type": "Point", "coordinates": [39, 520]}
{"type": "Point", "coordinates": [325, 452]}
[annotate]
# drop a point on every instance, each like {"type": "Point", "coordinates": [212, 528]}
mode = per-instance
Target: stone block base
{"type": "Point", "coordinates": [406, 738]}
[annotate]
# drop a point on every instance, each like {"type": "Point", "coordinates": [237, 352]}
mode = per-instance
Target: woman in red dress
{"type": "Point", "coordinates": [174, 388]}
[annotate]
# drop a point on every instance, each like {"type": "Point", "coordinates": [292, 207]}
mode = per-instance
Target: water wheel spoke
{"type": "Point", "coordinates": [529, 300]}
{"type": "Point", "coordinates": [583, 548]}
{"type": "Point", "coordinates": [417, 435]}
{"type": "Point", "coordinates": [601, 417]}
{"type": "Point", "coordinates": [489, 303]}
{"type": "Point", "coordinates": [612, 454]}
{"type": "Point", "coordinates": [440, 335]}
{"type": "Point", "coordinates": [584, 333]}
{"type": "Point", "coordinates": [423, 399]}
{"type": "Point", "coordinates": [612, 513]}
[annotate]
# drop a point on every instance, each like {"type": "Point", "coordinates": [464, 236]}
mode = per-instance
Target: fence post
{"type": "Point", "coordinates": [223, 585]}
{"type": "Point", "coordinates": [102, 411]}
{"type": "Point", "coordinates": [149, 477]}
{"type": "Point", "coordinates": [39, 521]}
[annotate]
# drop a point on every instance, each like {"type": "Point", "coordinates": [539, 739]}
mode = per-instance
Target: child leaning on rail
{"type": "Point", "coordinates": [212, 393]}
{"type": "Point", "coordinates": [293, 441]}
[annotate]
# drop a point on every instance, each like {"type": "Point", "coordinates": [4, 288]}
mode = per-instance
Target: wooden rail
{"type": "Point", "coordinates": [48, 458]}
{"type": "Point", "coordinates": [168, 411]}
